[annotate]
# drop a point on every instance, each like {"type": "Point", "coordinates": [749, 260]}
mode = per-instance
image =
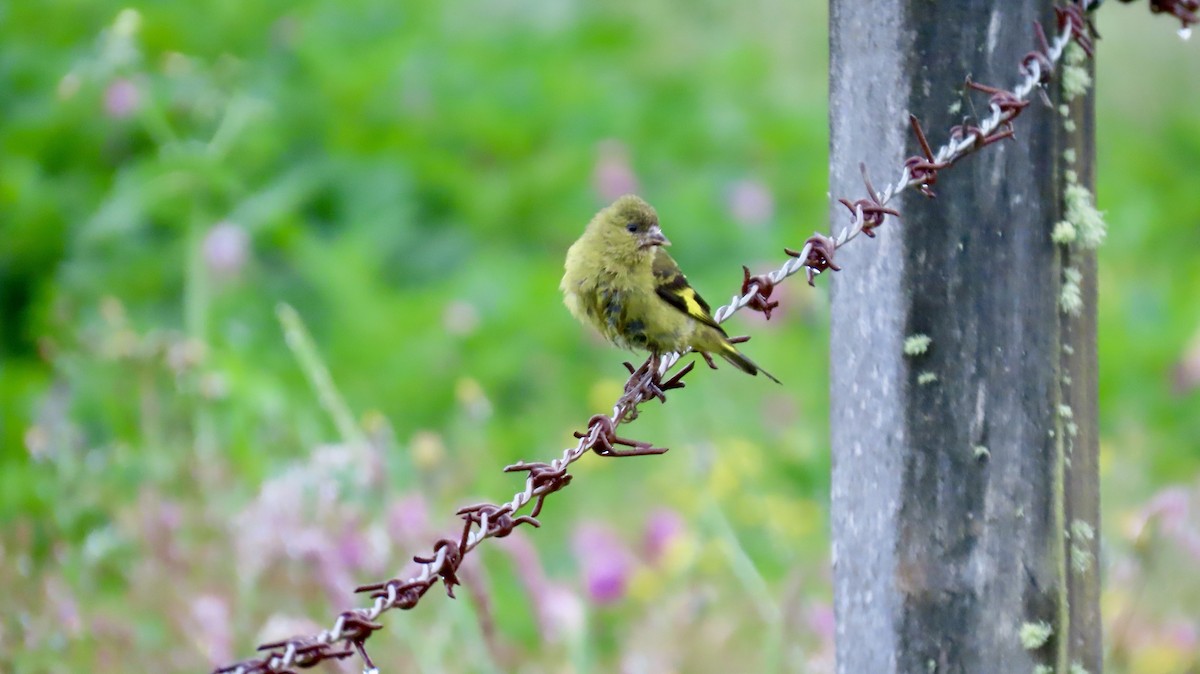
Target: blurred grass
{"type": "Point", "coordinates": [408, 179]}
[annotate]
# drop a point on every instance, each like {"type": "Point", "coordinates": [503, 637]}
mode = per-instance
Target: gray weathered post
{"type": "Point", "coordinates": [964, 495]}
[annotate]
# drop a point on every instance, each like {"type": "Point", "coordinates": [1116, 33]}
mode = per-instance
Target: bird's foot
{"type": "Point", "coordinates": [637, 376]}
{"type": "Point", "coordinates": [646, 382]}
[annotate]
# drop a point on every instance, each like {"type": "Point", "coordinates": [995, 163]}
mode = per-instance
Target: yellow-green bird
{"type": "Point", "coordinates": [620, 280]}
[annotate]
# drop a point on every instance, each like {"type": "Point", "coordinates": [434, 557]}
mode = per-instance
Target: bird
{"type": "Point", "coordinates": [620, 279]}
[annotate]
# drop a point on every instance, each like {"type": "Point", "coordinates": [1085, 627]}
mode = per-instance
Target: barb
{"type": "Point", "coordinates": [482, 521]}
{"type": "Point", "coordinates": [1184, 10]}
{"type": "Point", "coordinates": [921, 171]}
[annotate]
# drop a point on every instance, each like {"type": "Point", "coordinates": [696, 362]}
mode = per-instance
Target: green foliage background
{"type": "Point", "coordinates": [408, 177]}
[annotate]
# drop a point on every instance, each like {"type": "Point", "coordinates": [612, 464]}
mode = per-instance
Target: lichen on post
{"type": "Point", "coordinates": [948, 558]}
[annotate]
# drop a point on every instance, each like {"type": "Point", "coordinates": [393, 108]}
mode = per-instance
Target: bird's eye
{"type": "Point", "coordinates": [631, 227]}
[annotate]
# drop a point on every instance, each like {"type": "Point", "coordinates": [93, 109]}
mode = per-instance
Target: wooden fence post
{"type": "Point", "coordinates": [964, 497]}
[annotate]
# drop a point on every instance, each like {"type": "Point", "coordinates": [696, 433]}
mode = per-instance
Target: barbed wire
{"type": "Point", "coordinates": [1184, 10]}
{"type": "Point", "coordinates": [353, 627]}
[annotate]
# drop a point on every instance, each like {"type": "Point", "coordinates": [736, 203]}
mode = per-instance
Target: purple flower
{"type": "Point", "coordinates": [408, 519]}
{"type": "Point", "coordinates": [613, 176]}
{"type": "Point", "coordinates": [605, 560]}
{"type": "Point", "coordinates": [159, 522]}
{"type": "Point", "coordinates": [121, 98]}
{"type": "Point", "coordinates": [333, 571]}
{"type": "Point", "coordinates": [663, 528]}
{"type": "Point", "coordinates": [1168, 508]}
{"type": "Point", "coordinates": [213, 632]}
{"type": "Point", "coordinates": [351, 547]}
{"type": "Point", "coordinates": [65, 606]}
{"type": "Point", "coordinates": [558, 608]}
{"type": "Point", "coordinates": [226, 247]}
{"type": "Point", "coordinates": [819, 620]}
{"type": "Point", "coordinates": [750, 203]}
{"type": "Point", "coordinates": [561, 612]}
{"type": "Point", "coordinates": [606, 584]}
{"type": "Point", "coordinates": [1182, 635]}
{"type": "Point", "coordinates": [1171, 511]}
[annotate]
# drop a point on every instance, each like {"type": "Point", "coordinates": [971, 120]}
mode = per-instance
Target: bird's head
{"type": "Point", "coordinates": [631, 225]}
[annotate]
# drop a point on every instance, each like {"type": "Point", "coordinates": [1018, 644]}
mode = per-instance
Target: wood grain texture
{"type": "Point", "coordinates": [948, 534]}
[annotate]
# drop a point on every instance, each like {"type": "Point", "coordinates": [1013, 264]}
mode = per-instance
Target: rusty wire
{"type": "Point", "coordinates": [920, 171]}
{"type": "Point", "coordinates": [1187, 11]}
{"type": "Point", "coordinates": [353, 627]}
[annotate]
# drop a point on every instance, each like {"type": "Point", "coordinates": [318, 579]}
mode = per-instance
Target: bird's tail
{"type": "Point", "coordinates": [730, 353]}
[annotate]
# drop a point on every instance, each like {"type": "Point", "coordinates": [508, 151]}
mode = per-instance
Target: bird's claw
{"type": "Point", "coordinates": [646, 382]}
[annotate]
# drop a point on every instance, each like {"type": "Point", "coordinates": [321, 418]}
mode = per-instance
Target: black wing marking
{"type": "Point", "coordinates": [673, 287]}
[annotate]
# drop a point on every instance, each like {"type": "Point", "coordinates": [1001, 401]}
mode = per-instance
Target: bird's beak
{"type": "Point", "coordinates": [654, 237]}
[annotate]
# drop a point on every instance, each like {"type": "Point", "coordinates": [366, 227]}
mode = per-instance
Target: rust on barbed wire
{"type": "Point", "coordinates": [603, 428]}
{"type": "Point", "coordinates": [499, 518]}
{"type": "Point", "coordinates": [1009, 103]}
{"type": "Point", "coordinates": [1185, 10]}
{"type": "Point", "coordinates": [1040, 56]}
{"type": "Point", "coordinates": [368, 664]}
{"type": "Point", "coordinates": [820, 255]}
{"type": "Point", "coordinates": [447, 556]}
{"type": "Point", "coordinates": [645, 383]}
{"type": "Point", "coordinates": [353, 627]}
{"type": "Point", "coordinates": [1074, 17]}
{"type": "Point", "coordinates": [923, 169]}
{"type": "Point", "coordinates": [868, 214]}
{"type": "Point", "coordinates": [545, 479]}
{"type": "Point", "coordinates": [759, 287]}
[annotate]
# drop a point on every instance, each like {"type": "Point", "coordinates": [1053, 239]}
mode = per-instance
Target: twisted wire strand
{"type": "Point", "coordinates": [305, 651]}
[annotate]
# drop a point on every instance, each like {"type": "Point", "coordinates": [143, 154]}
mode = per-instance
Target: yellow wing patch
{"type": "Point", "coordinates": [694, 308]}
{"type": "Point", "coordinates": [673, 287]}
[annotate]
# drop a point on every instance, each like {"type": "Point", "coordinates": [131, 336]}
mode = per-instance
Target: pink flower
{"type": "Point", "coordinates": [159, 522]}
{"type": "Point", "coordinates": [561, 613]}
{"type": "Point", "coordinates": [605, 560]}
{"type": "Point", "coordinates": [351, 547]}
{"type": "Point", "coordinates": [1171, 511]}
{"type": "Point", "coordinates": [1169, 508]}
{"type": "Point", "coordinates": [819, 620]}
{"type": "Point", "coordinates": [613, 176]}
{"type": "Point", "coordinates": [65, 606]}
{"type": "Point", "coordinates": [334, 573]}
{"type": "Point", "coordinates": [213, 632]}
{"type": "Point", "coordinates": [558, 608]}
{"type": "Point", "coordinates": [121, 98]}
{"type": "Point", "coordinates": [663, 528]}
{"type": "Point", "coordinates": [1182, 635]}
{"type": "Point", "coordinates": [750, 203]}
{"type": "Point", "coordinates": [408, 519]}
{"type": "Point", "coordinates": [225, 248]}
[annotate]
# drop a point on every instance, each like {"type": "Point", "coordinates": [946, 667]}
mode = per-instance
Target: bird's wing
{"type": "Point", "coordinates": [673, 287]}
